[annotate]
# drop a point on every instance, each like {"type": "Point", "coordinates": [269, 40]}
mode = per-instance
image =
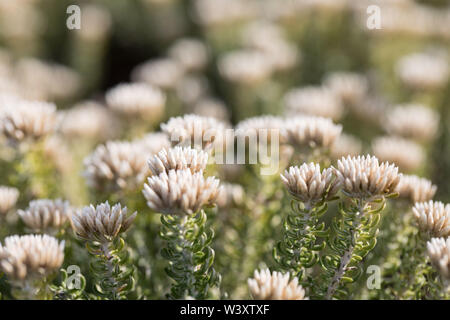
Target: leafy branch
{"type": "Point", "coordinates": [189, 254]}
{"type": "Point", "coordinates": [353, 237]}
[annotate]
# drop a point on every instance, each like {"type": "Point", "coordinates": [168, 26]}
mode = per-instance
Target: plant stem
{"type": "Point", "coordinates": [107, 257]}
{"type": "Point", "coordinates": [347, 256]}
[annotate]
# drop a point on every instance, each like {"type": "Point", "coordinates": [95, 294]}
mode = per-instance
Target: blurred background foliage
{"type": "Point", "coordinates": [327, 36]}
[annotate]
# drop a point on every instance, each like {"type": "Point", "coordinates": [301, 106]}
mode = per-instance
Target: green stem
{"type": "Point", "coordinates": [347, 256]}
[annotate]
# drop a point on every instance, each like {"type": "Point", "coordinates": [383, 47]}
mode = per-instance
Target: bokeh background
{"type": "Point", "coordinates": [235, 59]}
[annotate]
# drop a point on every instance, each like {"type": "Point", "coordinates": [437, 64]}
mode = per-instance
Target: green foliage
{"type": "Point", "coordinates": [353, 237]}
{"type": "Point", "coordinates": [68, 290]}
{"type": "Point", "coordinates": [112, 272]}
{"type": "Point", "coordinates": [190, 256]}
{"type": "Point", "coordinates": [300, 247]}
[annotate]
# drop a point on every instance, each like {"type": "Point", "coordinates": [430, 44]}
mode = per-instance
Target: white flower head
{"type": "Point", "coordinates": [438, 250]}
{"type": "Point", "coordinates": [8, 199]}
{"type": "Point", "coordinates": [212, 107]}
{"type": "Point", "coordinates": [309, 184]}
{"type": "Point", "coordinates": [346, 145]}
{"type": "Point", "coordinates": [46, 215]}
{"type": "Point", "coordinates": [246, 67]}
{"type": "Point", "coordinates": [153, 142]}
{"type": "Point", "coordinates": [31, 256]}
{"type": "Point", "coordinates": [407, 154]}
{"type": "Point", "coordinates": [137, 100]}
{"type": "Point", "coordinates": [364, 177]}
{"type": "Point", "coordinates": [191, 53]}
{"type": "Point", "coordinates": [412, 121]}
{"type": "Point", "coordinates": [275, 286]}
{"type": "Point", "coordinates": [312, 131]}
{"type": "Point", "coordinates": [433, 218]}
{"type": "Point", "coordinates": [315, 101]}
{"type": "Point", "coordinates": [178, 158]}
{"type": "Point", "coordinates": [116, 165]}
{"type": "Point", "coordinates": [180, 192]}
{"type": "Point", "coordinates": [262, 125]}
{"type": "Point", "coordinates": [415, 188]}
{"type": "Point", "coordinates": [27, 120]}
{"type": "Point", "coordinates": [163, 73]}
{"type": "Point", "coordinates": [195, 131]}
{"type": "Point", "coordinates": [102, 223]}
{"type": "Point", "coordinates": [423, 71]}
{"type": "Point", "coordinates": [350, 87]}
{"type": "Point", "coordinates": [88, 119]}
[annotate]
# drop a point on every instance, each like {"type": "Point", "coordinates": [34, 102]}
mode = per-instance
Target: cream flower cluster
{"type": "Point", "coordinates": [137, 100]}
{"type": "Point", "coordinates": [433, 218]}
{"type": "Point", "coordinates": [407, 154]}
{"type": "Point", "coordinates": [30, 256]}
{"type": "Point", "coordinates": [312, 131]}
{"type": "Point", "coordinates": [25, 120]}
{"type": "Point", "coordinates": [309, 184]}
{"type": "Point", "coordinates": [412, 121]}
{"type": "Point", "coordinates": [102, 223]}
{"type": "Point", "coordinates": [193, 130]}
{"type": "Point", "coordinates": [423, 71]}
{"type": "Point", "coordinates": [315, 101]}
{"type": "Point", "coordinates": [88, 119]}
{"type": "Point", "coordinates": [191, 53]}
{"type": "Point", "coordinates": [256, 126]}
{"type": "Point", "coordinates": [245, 66]}
{"type": "Point", "coordinates": [46, 215]}
{"type": "Point", "coordinates": [415, 188]}
{"type": "Point", "coordinates": [153, 142]}
{"type": "Point", "coordinates": [8, 199]}
{"type": "Point", "coordinates": [163, 73]}
{"type": "Point", "coordinates": [438, 250]}
{"type": "Point", "coordinates": [275, 286]}
{"type": "Point", "coordinates": [180, 192]}
{"type": "Point", "coordinates": [346, 145]}
{"type": "Point", "coordinates": [230, 195]}
{"type": "Point", "coordinates": [116, 165]}
{"type": "Point", "coordinates": [351, 88]}
{"type": "Point", "coordinates": [268, 38]}
{"type": "Point", "coordinates": [178, 158]}
{"type": "Point", "coordinates": [364, 177]}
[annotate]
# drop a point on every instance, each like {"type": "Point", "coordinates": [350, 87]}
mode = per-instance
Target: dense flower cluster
{"type": "Point", "coordinates": [416, 189]}
{"type": "Point", "coordinates": [25, 257]}
{"type": "Point", "coordinates": [27, 120]}
{"type": "Point", "coordinates": [275, 286]}
{"type": "Point", "coordinates": [8, 199]}
{"type": "Point", "coordinates": [433, 217]}
{"type": "Point", "coordinates": [180, 192]}
{"type": "Point", "coordinates": [193, 130]}
{"type": "Point", "coordinates": [309, 184]}
{"type": "Point", "coordinates": [439, 253]}
{"type": "Point", "coordinates": [45, 215]}
{"type": "Point", "coordinates": [178, 158]}
{"type": "Point", "coordinates": [364, 177]}
{"type": "Point", "coordinates": [312, 131]}
{"type": "Point", "coordinates": [102, 223]}
{"type": "Point", "coordinates": [310, 137]}
{"type": "Point", "coordinates": [116, 165]}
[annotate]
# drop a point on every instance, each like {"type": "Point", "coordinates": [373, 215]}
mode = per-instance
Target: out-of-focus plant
{"type": "Point", "coordinates": [101, 227]}
{"type": "Point", "coordinates": [311, 189]}
{"type": "Point", "coordinates": [178, 190]}
{"type": "Point", "coordinates": [30, 262]}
